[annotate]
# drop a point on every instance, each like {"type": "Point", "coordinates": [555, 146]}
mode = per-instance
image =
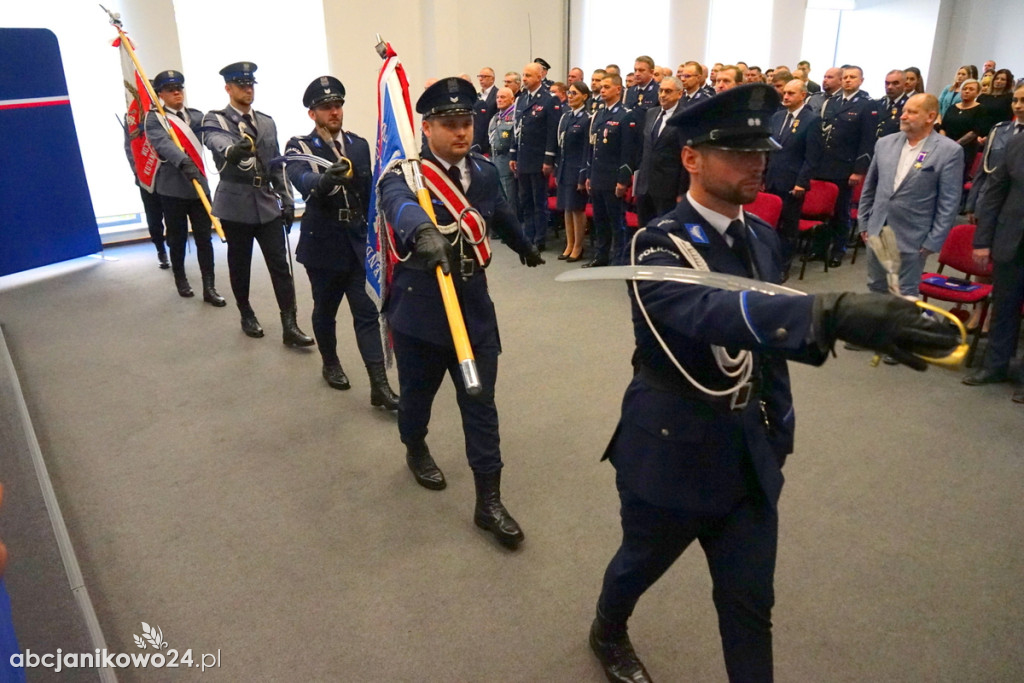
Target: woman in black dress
{"type": "Point", "coordinates": [966, 122]}
{"type": "Point", "coordinates": [573, 136]}
{"type": "Point", "coordinates": [997, 103]}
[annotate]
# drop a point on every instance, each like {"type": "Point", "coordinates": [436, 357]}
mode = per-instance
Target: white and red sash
{"type": "Point", "coordinates": [189, 142]}
{"type": "Point", "coordinates": [473, 227]}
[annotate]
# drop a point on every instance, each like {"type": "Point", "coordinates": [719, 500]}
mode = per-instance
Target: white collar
{"type": "Point", "coordinates": [718, 221]}
{"type": "Point", "coordinates": [533, 93]}
{"type": "Point", "coordinates": [252, 114]}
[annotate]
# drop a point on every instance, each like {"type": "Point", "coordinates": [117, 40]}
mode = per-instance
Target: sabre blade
{"type": "Point", "coordinates": [686, 276]}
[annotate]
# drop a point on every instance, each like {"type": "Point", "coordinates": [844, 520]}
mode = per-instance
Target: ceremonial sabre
{"type": "Point", "coordinates": [735, 283]}
{"type": "Point", "coordinates": [456, 323]}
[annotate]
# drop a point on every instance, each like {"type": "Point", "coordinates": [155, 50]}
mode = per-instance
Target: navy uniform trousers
{"type": "Point", "coordinates": [329, 286]}
{"type": "Point", "coordinates": [154, 217]}
{"type": "Point", "coordinates": [178, 213]}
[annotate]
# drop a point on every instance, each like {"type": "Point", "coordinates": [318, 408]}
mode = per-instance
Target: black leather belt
{"type": "Point", "coordinates": [677, 384]}
{"type": "Point", "coordinates": [465, 267]}
{"type": "Point", "coordinates": [255, 181]}
{"type": "Point", "coordinates": [349, 215]}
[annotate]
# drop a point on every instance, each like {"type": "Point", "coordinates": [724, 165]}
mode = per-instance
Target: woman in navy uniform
{"type": "Point", "coordinates": [423, 342]}
{"type": "Point", "coordinates": [573, 146]}
{"type": "Point", "coordinates": [707, 421]}
{"type": "Point", "coordinates": [332, 240]}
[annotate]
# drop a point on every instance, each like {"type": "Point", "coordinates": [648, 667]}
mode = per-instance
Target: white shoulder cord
{"type": "Point", "coordinates": [741, 366]}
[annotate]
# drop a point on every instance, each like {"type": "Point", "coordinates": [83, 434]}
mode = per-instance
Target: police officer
{"type": "Point", "coordinates": [890, 107]}
{"type": "Point", "coordinates": [253, 200]}
{"type": "Point", "coordinates": [150, 206]}
{"type": "Point", "coordinates": [613, 143]}
{"type": "Point", "coordinates": [332, 240]}
{"type": "Point", "coordinates": [849, 126]}
{"type": "Point", "coordinates": [545, 68]}
{"type": "Point", "coordinates": [533, 154]}
{"type": "Point", "coordinates": [178, 199]}
{"type": "Point", "coordinates": [501, 135]}
{"type": "Point", "coordinates": [644, 93]}
{"type": "Point", "coordinates": [704, 432]}
{"type": "Point", "coordinates": [423, 342]}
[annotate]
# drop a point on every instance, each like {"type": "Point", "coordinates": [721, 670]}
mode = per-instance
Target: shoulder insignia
{"type": "Point", "coordinates": [696, 233]}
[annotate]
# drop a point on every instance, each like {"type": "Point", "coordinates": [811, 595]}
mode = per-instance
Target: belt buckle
{"type": "Point", "coordinates": [739, 399]}
{"type": "Point", "coordinates": [257, 181]}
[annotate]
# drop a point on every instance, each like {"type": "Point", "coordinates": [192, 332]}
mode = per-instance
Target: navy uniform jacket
{"type": "Point", "coordinates": [254, 194]}
{"type": "Point", "coordinates": [797, 161]}
{"type": "Point", "coordinates": [594, 103]}
{"type": "Point", "coordinates": [699, 94]}
{"type": "Point", "coordinates": [675, 449]}
{"type": "Point", "coordinates": [642, 96]}
{"type": "Point", "coordinates": [170, 181]}
{"type": "Point", "coordinates": [414, 305]}
{"type": "Point", "coordinates": [995, 150]}
{"type": "Point", "coordinates": [328, 239]}
{"type": "Point", "coordinates": [889, 113]}
{"type": "Point", "coordinates": [536, 140]}
{"type": "Point", "coordinates": [483, 110]}
{"type": "Point", "coordinates": [573, 146]}
{"type": "Point", "coordinates": [849, 128]}
{"type": "Point", "coordinates": [660, 167]}
{"type": "Point", "coordinates": [1000, 209]}
{"type": "Point", "coordinates": [613, 143]}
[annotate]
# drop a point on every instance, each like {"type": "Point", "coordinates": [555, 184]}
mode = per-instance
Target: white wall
{"type": "Point", "coordinates": [979, 30]}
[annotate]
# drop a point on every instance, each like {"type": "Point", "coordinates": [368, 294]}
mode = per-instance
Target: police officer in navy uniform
{"type": "Point", "coordinates": [545, 68]}
{"type": "Point", "coordinates": [332, 241]}
{"type": "Point", "coordinates": [849, 126]}
{"type": "Point", "coordinates": [150, 206]}
{"type": "Point", "coordinates": [613, 151]}
{"type": "Point", "coordinates": [253, 199]}
{"type": "Point", "coordinates": [178, 199]}
{"type": "Point", "coordinates": [707, 421]}
{"type": "Point", "coordinates": [423, 343]}
{"type": "Point", "coordinates": [644, 94]}
{"type": "Point", "coordinates": [533, 152]}
{"type": "Point", "coordinates": [890, 107]}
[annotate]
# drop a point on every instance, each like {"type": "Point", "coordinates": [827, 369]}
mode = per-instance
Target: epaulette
{"type": "Point", "coordinates": [477, 156]}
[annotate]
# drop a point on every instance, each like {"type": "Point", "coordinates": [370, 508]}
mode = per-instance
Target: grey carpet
{"type": "Point", "coordinates": [214, 486]}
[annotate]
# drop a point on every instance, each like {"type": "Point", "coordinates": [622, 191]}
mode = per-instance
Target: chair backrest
{"type": "Point", "coordinates": [820, 200]}
{"type": "Point", "coordinates": [855, 196]}
{"type": "Point", "coordinates": [767, 207]}
{"type": "Point", "coordinates": [975, 165]}
{"type": "Point", "coordinates": [957, 251]}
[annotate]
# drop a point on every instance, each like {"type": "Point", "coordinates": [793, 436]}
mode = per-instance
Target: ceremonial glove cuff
{"type": "Point", "coordinates": [239, 152]}
{"type": "Point", "coordinates": [883, 323]}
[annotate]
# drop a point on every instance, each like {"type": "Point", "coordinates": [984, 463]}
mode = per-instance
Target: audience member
{"type": "Point", "coordinates": [660, 180]}
{"type": "Point", "coordinates": [951, 93]}
{"type": "Point", "coordinates": [966, 123]}
{"type": "Point", "coordinates": [997, 103]}
{"type": "Point", "coordinates": [915, 82]}
{"type": "Point", "coordinates": [890, 107]}
{"type": "Point", "coordinates": [728, 77]}
{"type": "Point", "coordinates": [643, 94]}
{"type": "Point", "coordinates": [485, 107]}
{"type": "Point", "coordinates": [500, 136]}
{"type": "Point", "coordinates": [573, 149]}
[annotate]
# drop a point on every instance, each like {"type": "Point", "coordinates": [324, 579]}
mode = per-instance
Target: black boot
{"type": "Point", "coordinates": [210, 294]}
{"type": "Point", "coordinates": [335, 376]}
{"type": "Point", "coordinates": [250, 325]}
{"type": "Point", "coordinates": [610, 642]}
{"type": "Point", "coordinates": [181, 282]}
{"type": "Point", "coordinates": [490, 514]}
{"type": "Point", "coordinates": [424, 469]}
{"type": "Point", "coordinates": [161, 256]}
{"type": "Point", "coordinates": [292, 335]}
{"type": "Point", "coordinates": [380, 390]}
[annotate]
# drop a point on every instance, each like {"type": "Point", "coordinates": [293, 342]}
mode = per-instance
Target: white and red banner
{"type": "Point", "coordinates": [138, 104]}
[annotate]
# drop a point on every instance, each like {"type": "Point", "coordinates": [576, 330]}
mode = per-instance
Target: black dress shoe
{"type": "Point", "coordinates": [161, 256]}
{"type": "Point", "coordinates": [251, 326]}
{"type": "Point", "coordinates": [574, 259]}
{"type": "Point", "coordinates": [889, 360]}
{"type": "Point", "coordinates": [182, 285]}
{"type": "Point", "coordinates": [985, 376]}
{"type": "Point", "coordinates": [615, 652]}
{"type": "Point", "coordinates": [835, 262]}
{"type": "Point", "coordinates": [490, 514]}
{"type": "Point", "coordinates": [563, 257]}
{"type": "Point", "coordinates": [541, 247]}
{"type": "Point", "coordinates": [424, 469]}
{"type": "Point", "coordinates": [336, 377]}
{"type": "Point", "coordinates": [595, 263]}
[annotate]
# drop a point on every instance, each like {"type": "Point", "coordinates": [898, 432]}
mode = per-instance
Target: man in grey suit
{"type": "Point", "coordinates": [253, 199]}
{"type": "Point", "coordinates": [999, 238]}
{"type": "Point", "coordinates": [914, 186]}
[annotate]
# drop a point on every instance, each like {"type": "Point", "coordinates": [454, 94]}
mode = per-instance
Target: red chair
{"type": "Point", "coordinates": [767, 207]}
{"type": "Point", "coordinates": [819, 206]}
{"type": "Point", "coordinates": [957, 254]}
{"type": "Point", "coordinates": [629, 204]}
{"type": "Point", "coordinates": [854, 204]}
{"type": "Point", "coordinates": [973, 172]}
{"type": "Point", "coordinates": [557, 217]}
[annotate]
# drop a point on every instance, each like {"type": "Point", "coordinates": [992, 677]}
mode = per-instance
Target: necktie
{"type": "Point", "coordinates": [337, 146]}
{"type": "Point", "coordinates": [739, 244]}
{"type": "Point", "coordinates": [656, 131]}
{"type": "Point", "coordinates": [456, 175]}
{"type": "Point", "coordinates": [785, 124]}
{"type": "Point", "coordinates": [250, 125]}
{"type": "Point", "coordinates": [180, 115]}
{"type": "Point", "coordinates": [1018, 128]}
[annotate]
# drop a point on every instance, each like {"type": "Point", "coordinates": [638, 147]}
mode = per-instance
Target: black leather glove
{"type": "Point", "coordinates": [288, 216]}
{"type": "Point", "coordinates": [239, 152]}
{"type": "Point", "coordinates": [884, 323]}
{"type": "Point", "coordinates": [532, 258]}
{"type": "Point", "coordinates": [434, 248]}
{"type": "Point", "coordinates": [191, 171]}
{"type": "Point", "coordinates": [338, 174]}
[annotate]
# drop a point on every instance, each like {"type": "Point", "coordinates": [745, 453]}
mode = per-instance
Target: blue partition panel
{"type": "Point", "coordinates": [46, 213]}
